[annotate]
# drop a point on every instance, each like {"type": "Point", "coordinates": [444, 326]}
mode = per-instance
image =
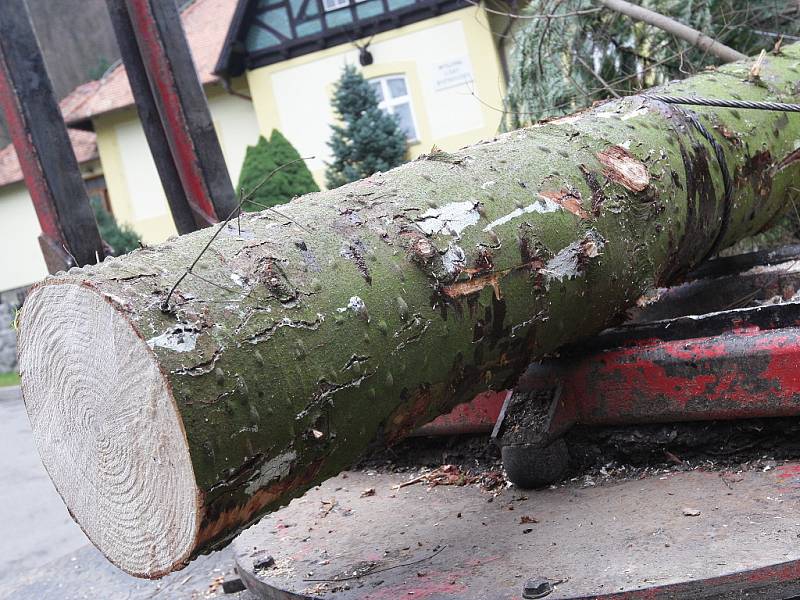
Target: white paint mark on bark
{"type": "Point", "coordinates": [450, 219]}
{"type": "Point", "coordinates": [542, 205]}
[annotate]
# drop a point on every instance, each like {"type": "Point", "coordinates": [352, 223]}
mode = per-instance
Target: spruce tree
{"type": "Point", "coordinates": [120, 238]}
{"type": "Point", "coordinates": [367, 139]}
{"type": "Point", "coordinates": [565, 63]}
{"type": "Point", "coordinates": [260, 160]}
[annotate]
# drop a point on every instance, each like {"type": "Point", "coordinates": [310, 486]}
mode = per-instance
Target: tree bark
{"type": "Point", "coordinates": [355, 315]}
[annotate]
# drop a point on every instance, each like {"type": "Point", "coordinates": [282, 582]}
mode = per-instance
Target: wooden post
{"type": "Point", "coordinates": [187, 215]}
{"type": "Point", "coordinates": [69, 232]}
{"type": "Point", "coordinates": [182, 106]}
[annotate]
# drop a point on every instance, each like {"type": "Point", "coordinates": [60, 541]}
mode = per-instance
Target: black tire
{"type": "Point", "coordinates": [530, 467]}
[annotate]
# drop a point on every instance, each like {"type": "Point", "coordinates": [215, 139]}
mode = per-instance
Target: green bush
{"type": "Point", "coordinates": [290, 181]}
{"type": "Point", "coordinates": [368, 139]}
{"type": "Point", "coordinates": [121, 239]}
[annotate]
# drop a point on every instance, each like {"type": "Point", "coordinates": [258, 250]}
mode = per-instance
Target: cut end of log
{"type": "Point", "coordinates": [107, 428]}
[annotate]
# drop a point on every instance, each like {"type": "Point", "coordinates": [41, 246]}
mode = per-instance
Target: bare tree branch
{"type": "Point", "coordinates": [679, 30]}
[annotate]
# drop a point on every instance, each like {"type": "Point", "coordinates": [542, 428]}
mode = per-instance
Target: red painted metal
{"type": "Point", "coordinates": [743, 373]}
{"type": "Point", "coordinates": [739, 374]}
{"type": "Point", "coordinates": [770, 583]}
{"type": "Point", "coordinates": [477, 416]}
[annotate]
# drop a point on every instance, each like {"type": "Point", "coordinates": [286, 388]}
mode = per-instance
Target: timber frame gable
{"type": "Point", "coordinates": [265, 32]}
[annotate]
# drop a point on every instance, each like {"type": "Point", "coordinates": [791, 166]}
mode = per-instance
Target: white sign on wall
{"type": "Point", "coordinates": [452, 73]}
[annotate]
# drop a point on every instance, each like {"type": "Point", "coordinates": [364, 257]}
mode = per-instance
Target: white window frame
{"type": "Point", "coordinates": [388, 103]}
{"type": "Point", "coordinates": [331, 5]}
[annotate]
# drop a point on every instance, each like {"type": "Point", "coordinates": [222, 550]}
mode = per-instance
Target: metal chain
{"type": "Point", "coordinates": [746, 104]}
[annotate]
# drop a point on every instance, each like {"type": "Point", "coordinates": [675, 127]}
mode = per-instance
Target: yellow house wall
{"type": "Point", "coordinates": [134, 187]}
{"type": "Point", "coordinates": [294, 96]}
{"type": "Point", "coordinates": [22, 262]}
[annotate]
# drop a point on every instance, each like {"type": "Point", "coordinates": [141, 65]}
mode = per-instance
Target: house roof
{"type": "Point", "coordinates": [206, 23]}
{"type": "Point", "coordinates": [83, 144]}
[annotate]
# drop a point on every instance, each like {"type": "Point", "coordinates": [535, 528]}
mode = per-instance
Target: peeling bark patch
{"type": "Point", "coordinates": [623, 168]}
{"type": "Point", "coordinates": [181, 338]}
{"type": "Point", "coordinates": [271, 275]}
{"type": "Point", "coordinates": [201, 368]}
{"type": "Point", "coordinates": [572, 261]}
{"type": "Point", "coordinates": [220, 518]}
{"type": "Point", "coordinates": [598, 197]}
{"type": "Point", "coordinates": [274, 469]}
{"type": "Point", "coordinates": [423, 250]}
{"type": "Point", "coordinates": [758, 171]}
{"type": "Point", "coordinates": [454, 259]}
{"type": "Point", "coordinates": [471, 286]}
{"type": "Point", "coordinates": [787, 161]}
{"type": "Point", "coordinates": [355, 252]}
{"type": "Point", "coordinates": [450, 219]}
{"type": "Point", "coordinates": [285, 322]}
{"type": "Point", "coordinates": [569, 200]}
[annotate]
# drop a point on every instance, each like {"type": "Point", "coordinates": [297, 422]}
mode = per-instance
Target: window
{"type": "Point", "coordinates": [393, 98]}
{"type": "Point", "coordinates": [330, 5]}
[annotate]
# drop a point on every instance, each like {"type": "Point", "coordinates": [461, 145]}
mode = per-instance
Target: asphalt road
{"type": "Point", "coordinates": [44, 555]}
{"type": "Point", "coordinates": [35, 527]}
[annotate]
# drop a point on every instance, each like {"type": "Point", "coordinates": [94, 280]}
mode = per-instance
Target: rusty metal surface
{"type": "Point", "coordinates": [625, 540]}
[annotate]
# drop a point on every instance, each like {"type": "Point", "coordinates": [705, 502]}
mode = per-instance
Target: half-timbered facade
{"type": "Point", "coordinates": [433, 63]}
{"type": "Point", "coordinates": [272, 64]}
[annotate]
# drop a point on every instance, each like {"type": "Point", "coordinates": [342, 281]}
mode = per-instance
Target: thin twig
{"type": "Point", "coordinates": [375, 571]}
{"type": "Point", "coordinates": [597, 76]}
{"type": "Point", "coordinates": [234, 212]}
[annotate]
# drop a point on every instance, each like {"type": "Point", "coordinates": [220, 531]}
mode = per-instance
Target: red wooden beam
{"type": "Point", "coordinates": [187, 214]}
{"type": "Point", "coordinates": [69, 232]}
{"type": "Point", "coordinates": [182, 106]}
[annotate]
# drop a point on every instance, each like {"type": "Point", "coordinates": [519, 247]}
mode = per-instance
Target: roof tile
{"type": "Point", "coordinates": [206, 24]}
{"type": "Point", "coordinates": [83, 143]}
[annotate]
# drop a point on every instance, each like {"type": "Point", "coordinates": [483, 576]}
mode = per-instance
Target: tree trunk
{"type": "Point", "coordinates": [357, 314]}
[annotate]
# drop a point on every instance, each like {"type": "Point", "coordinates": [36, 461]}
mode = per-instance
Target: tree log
{"type": "Point", "coordinates": [355, 315]}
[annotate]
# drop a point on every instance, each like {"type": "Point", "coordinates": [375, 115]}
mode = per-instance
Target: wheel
{"type": "Point", "coordinates": [529, 467]}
